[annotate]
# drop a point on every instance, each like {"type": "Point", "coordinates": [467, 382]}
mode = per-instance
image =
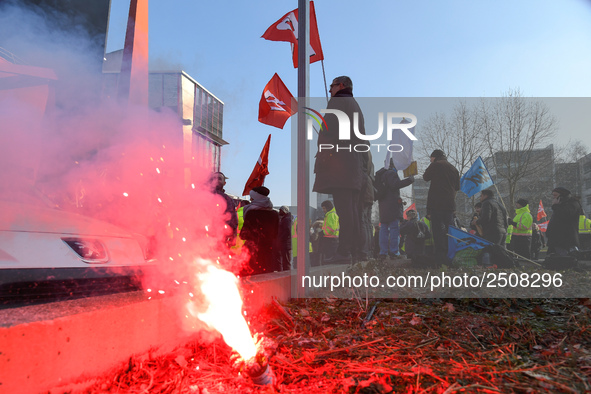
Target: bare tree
{"type": "Point", "coordinates": [568, 165]}
{"type": "Point", "coordinates": [514, 130]}
{"type": "Point", "coordinates": [571, 152]}
{"type": "Point", "coordinates": [458, 135]}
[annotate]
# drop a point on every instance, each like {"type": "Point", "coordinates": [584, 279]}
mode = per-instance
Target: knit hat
{"type": "Point", "coordinates": [438, 154]}
{"type": "Point", "coordinates": [261, 190]}
{"type": "Point", "coordinates": [522, 201]}
{"type": "Point", "coordinates": [562, 191]}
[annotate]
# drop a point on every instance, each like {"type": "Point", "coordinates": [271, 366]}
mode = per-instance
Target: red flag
{"type": "Point", "coordinates": [277, 103]}
{"type": "Point", "coordinates": [541, 212]}
{"type": "Point", "coordinates": [412, 206]}
{"type": "Point", "coordinates": [286, 29]}
{"type": "Point", "coordinates": [260, 171]}
{"type": "Point", "coordinates": [543, 226]}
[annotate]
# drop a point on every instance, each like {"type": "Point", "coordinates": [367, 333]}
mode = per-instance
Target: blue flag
{"type": "Point", "coordinates": [459, 240]}
{"type": "Point", "coordinates": [476, 178]}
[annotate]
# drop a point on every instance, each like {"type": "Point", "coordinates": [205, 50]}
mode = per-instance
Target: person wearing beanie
{"type": "Point", "coordinates": [563, 227]}
{"type": "Point", "coordinates": [522, 229]}
{"type": "Point", "coordinates": [259, 231]}
{"type": "Point", "coordinates": [444, 181]}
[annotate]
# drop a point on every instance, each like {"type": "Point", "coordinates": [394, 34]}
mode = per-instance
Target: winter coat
{"type": "Point", "coordinates": [342, 168]}
{"type": "Point", "coordinates": [563, 228]}
{"type": "Point", "coordinates": [524, 221]}
{"type": "Point", "coordinates": [445, 182]}
{"type": "Point", "coordinates": [259, 232]}
{"type": "Point", "coordinates": [330, 225]}
{"type": "Point", "coordinates": [391, 205]}
{"type": "Point", "coordinates": [493, 218]}
{"type": "Point", "coordinates": [413, 245]}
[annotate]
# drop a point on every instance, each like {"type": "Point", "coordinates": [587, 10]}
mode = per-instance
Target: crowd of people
{"type": "Point", "coordinates": [345, 234]}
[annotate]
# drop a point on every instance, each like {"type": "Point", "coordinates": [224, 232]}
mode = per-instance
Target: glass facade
{"type": "Point", "coordinates": [209, 112]}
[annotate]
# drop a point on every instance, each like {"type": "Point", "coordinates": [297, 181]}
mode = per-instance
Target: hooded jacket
{"type": "Point", "coordinates": [524, 222]}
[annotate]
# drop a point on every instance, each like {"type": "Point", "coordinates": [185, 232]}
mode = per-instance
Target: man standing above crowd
{"type": "Point", "coordinates": [441, 199]}
{"type": "Point", "coordinates": [493, 218]}
{"type": "Point", "coordinates": [522, 229]}
{"type": "Point", "coordinates": [339, 171]}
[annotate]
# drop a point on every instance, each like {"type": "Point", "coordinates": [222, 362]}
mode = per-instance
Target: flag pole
{"type": "Point", "coordinates": [324, 76]}
{"type": "Point", "coordinates": [303, 233]}
{"type": "Point", "coordinates": [501, 197]}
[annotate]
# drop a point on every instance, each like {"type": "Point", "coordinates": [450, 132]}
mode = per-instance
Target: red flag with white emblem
{"type": "Point", "coordinates": [541, 212]}
{"type": "Point", "coordinates": [277, 103]}
{"type": "Point", "coordinates": [286, 29]}
{"type": "Point", "coordinates": [260, 171]}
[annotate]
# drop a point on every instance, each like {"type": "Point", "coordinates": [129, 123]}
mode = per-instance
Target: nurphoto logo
{"type": "Point", "coordinates": [345, 129]}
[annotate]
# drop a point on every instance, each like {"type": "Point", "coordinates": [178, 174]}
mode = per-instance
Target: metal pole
{"type": "Point", "coordinates": [303, 164]}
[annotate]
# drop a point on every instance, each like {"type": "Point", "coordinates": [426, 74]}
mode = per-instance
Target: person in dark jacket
{"type": "Point", "coordinates": [283, 248]}
{"type": "Point", "coordinates": [441, 198]}
{"type": "Point", "coordinates": [339, 171]}
{"type": "Point", "coordinates": [563, 228]}
{"type": "Point", "coordinates": [390, 207]}
{"type": "Point", "coordinates": [415, 233]}
{"type": "Point", "coordinates": [493, 218]}
{"type": "Point", "coordinates": [259, 231]}
{"type": "Point", "coordinates": [218, 181]}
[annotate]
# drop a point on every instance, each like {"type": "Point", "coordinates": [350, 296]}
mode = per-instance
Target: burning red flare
{"type": "Point", "coordinates": [224, 309]}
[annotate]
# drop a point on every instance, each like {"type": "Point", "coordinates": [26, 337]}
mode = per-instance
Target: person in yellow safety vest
{"type": "Point", "coordinates": [429, 241]}
{"type": "Point", "coordinates": [509, 236]}
{"type": "Point", "coordinates": [522, 229]}
{"type": "Point", "coordinates": [330, 228]}
{"type": "Point", "coordinates": [584, 232]}
{"type": "Point", "coordinates": [239, 241]}
{"type": "Point", "coordinates": [294, 242]}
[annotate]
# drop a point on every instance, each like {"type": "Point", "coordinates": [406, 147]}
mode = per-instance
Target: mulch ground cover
{"type": "Point", "coordinates": [388, 346]}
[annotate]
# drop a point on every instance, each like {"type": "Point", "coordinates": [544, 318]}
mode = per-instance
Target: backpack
{"type": "Point", "coordinates": [380, 185]}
